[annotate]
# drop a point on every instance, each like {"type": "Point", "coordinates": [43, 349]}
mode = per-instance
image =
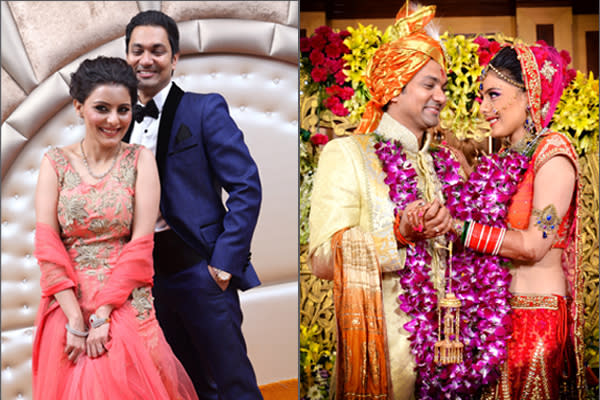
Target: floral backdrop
{"type": "Point", "coordinates": [332, 99]}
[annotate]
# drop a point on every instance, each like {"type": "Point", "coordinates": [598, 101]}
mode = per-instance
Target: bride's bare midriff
{"type": "Point", "coordinates": [545, 277]}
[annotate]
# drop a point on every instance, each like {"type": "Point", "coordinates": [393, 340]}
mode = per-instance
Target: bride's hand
{"type": "Point", "coordinates": [75, 344]}
{"type": "Point", "coordinates": [97, 339]}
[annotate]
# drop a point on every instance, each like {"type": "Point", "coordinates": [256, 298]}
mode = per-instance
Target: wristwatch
{"type": "Point", "coordinates": [222, 275]}
{"type": "Point", "coordinates": [96, 321]}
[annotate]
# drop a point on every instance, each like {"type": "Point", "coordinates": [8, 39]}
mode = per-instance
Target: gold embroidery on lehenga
{"type": "Point", "coordinates": [99, 226]}
{"type": "Point", "coordinates": [536, 387]}
{"type": "Point", "coordinates": [71, 180]}
{"type": "Point", "coordinates": [127, 173]}
{"type": "Point", "coordinates": [141, 300]}
{"type": "Point", "coordinates": [73, 209]}
{"type": "Point", "coordinates": [92, 256]}
{"type": "Point", "coordinates": [534, 302]}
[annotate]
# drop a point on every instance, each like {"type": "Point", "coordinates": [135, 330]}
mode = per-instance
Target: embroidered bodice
{"type": "Point", "coordinates": [95, 219]}
{"type": "Point", "coordinates": [519, 211]}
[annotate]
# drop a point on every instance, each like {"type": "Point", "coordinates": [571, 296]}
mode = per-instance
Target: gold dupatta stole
{"type": "Point", "coordinates": [359, 314]}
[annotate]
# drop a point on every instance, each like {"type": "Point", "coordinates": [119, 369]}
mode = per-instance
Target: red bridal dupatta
{"type": "Point", "coordinates": [130, 367]}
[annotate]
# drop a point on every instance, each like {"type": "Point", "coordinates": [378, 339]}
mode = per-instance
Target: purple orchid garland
{"type": "Point", "coordinates": [478, 280]}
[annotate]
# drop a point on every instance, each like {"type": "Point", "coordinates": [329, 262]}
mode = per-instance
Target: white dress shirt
{"type": "Point", "coordinates": [146, 134]}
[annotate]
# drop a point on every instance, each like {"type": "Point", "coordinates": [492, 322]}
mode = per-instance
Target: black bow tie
{"type": "Point", "coordinates": [139, 111]}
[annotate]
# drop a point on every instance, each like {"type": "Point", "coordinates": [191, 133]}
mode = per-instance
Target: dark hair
{"type": "Point", "coordinates": [102, 71]}
{"type": "Point", "coordinates": [154, 18]}
{"type": "Point", "coordinates": [506, 61]}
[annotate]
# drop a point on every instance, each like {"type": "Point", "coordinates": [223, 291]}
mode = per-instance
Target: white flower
{"type": "Point", "coordinates": [314, 393]}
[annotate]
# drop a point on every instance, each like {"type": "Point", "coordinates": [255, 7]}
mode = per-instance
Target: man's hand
{"type": "Point", "coordinates": [223, 283]}
{"type": "Point", "coordinates": [437, 220]}
{"type": "Point", "coordinates": [420, 220]}
{"type": "Point", "coordinates": [411, 220]}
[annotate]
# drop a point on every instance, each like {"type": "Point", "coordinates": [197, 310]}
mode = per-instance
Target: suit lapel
{"type": "Point", "coordinates": [166, 125]}
{"type": "Point", "coordinates": [127, 136]}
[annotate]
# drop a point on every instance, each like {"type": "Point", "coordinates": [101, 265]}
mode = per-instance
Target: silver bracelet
{"type": "Point", "coordinates": [75, 331]}
{"type": "Point", "coordinates": [96, 321]}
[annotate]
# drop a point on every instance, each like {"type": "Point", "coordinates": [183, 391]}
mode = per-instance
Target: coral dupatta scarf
{"type": "Point", "coordinates": [133, 269]}
{"type": "Point", "coordinates": [361, 355]}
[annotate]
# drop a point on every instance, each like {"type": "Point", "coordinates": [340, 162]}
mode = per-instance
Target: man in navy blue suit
{"type": "Point", "coordinates": [202, 246]}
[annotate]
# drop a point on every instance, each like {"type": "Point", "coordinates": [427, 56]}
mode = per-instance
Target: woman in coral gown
{"type": "Point", "coordinates": [96, 206]}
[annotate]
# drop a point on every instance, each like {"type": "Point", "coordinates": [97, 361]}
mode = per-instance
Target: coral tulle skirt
{"type": "Point", "coordinates": [138, 364]}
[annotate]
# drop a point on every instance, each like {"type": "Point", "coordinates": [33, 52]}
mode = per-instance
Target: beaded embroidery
{"type": "Point", "coordinates": [548, 70]}
{"type": "Point", "coordinates": [547, 220]}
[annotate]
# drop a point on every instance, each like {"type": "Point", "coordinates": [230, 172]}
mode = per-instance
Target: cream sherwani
{"type": "Point", "coordinates": [349, 191]}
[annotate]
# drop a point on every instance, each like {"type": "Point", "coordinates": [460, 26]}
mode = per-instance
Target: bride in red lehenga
{"type": "Point", "coordinates": [520, 90]}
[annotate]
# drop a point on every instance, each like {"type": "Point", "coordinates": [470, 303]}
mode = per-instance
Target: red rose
{"type": "Point", "coordinates": [565, 56]}
{"type": "Point", "coordinates": [333, 50]}
{"type": "Point", "coordinates": [332, 102]}
{"type": "Point", "coordinates": [481, 41]}
{"type": "Point", "coordinates": [333, 37]}
{"type": "Point", "coordinates": [346, 93]}
{"type": "Point", "coordinates": [340, 110]}
{"type": "Point", "coordinates": [317, 42]}
{"type": "Point", "coordinates": [345, 49]}
{"type": "Point", "coordinates": [335, 65]}
{"type": "Point", "coordinates": [571, 74]}
{"type": "Point", "coordinates": [319, 139]}
{"type": "Point", "coordinates": [323, 30]}
{"type": "Point", "coordinates": [494, 47]}
{"type": "Point", "coordinates": [333, 90]}
{"type": "Point", "coordinates": [304, 45]}
{"type": "Point", "coordinates": [316, 57]}
{"type": "Point", "coordinates": [319, 74]}
{"type": "Point", "coordinates": [484, 57]}
{"type": "Point", "coordinates": [340, 77]}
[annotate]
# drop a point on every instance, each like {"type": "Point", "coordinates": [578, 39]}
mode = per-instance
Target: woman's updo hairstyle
{"type": "Point", "coordinates": [102, 71]}
{"type": "Point", "coordinates": [506, 61]}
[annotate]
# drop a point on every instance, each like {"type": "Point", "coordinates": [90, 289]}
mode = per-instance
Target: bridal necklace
{"type": "Point", "coordinates": [87, 166]}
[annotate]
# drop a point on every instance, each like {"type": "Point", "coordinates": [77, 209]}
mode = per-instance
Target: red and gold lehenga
{"type": "Point", "coordinates": [545, 352]}
{"type": "Point", "coordinates": [546, 347]}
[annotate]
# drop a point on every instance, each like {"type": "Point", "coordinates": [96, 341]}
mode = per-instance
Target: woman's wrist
{"type": "Point", "coordinates": [483, 238]}
{"type": "Point", "coordinates": [76, 322]}
{"type": "Point", "coordinates": [104, 311]}
{"type": "Point", "coordinates": [458, 227]}
{"type": "Point", "coordinates": [97, 321]}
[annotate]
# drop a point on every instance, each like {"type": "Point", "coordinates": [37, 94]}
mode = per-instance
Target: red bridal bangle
{"type": "Point", "coordinates": [483, 238]}
{"type": "Point", "coordinates": [402, 241]}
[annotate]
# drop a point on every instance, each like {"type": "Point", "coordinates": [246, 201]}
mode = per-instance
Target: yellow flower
{"type": "Point", "coordinates": [461, 114]}
{"type": "Point", "coordinates": [577, 113]}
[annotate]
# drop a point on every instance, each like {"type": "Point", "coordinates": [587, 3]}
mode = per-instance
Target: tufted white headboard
{"type": "Point", "coordinates": [253, 64]}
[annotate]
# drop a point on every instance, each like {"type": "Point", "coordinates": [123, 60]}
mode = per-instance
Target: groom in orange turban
{"type": "Point", "coordinates": [361, 226]}
{"type": "Point", "coordinates": [395, 63]}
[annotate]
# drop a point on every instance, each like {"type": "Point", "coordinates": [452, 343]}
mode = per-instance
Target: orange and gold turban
{"type": "Point", "coordinates": [395, 63]}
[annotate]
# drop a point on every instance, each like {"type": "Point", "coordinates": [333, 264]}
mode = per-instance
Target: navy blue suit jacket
{"type": "Point", "coordinates": [200, 152]}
